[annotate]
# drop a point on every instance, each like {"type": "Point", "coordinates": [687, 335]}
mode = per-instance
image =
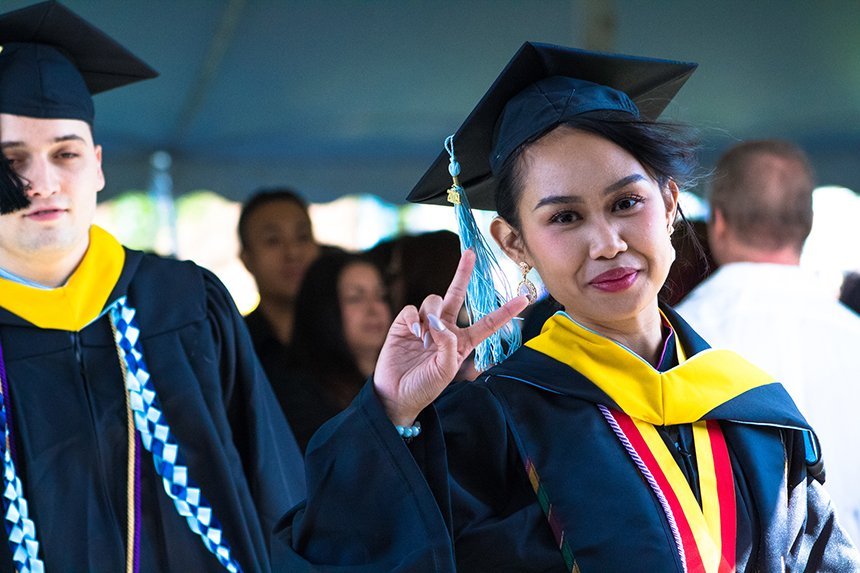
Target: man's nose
{"type": "Point", "coordinates": [40, 179]}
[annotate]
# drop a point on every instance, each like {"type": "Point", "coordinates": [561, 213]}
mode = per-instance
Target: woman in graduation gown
{"type": "Point", "coordinates": [616, 440]}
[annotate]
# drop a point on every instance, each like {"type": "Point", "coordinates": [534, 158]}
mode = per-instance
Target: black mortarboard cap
{"type": "Point", "coordinates": [52, 61]}
{"type": "Point", "coordinates": [541, 87]}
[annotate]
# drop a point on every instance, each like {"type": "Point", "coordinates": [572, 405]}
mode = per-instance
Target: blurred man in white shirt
{"type": "Point", "coordinates": [760, 302]}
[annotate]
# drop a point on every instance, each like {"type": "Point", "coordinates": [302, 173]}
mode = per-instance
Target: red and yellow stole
{"type": "Point", "coordinates": [705, 536]}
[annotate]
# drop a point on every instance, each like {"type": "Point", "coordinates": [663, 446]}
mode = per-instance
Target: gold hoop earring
{"type": "Point", "coordinates": [526, 287]}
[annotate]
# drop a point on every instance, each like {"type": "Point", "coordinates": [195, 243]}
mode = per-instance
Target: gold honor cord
{"type": "Point", "coordinates": [130, 467]}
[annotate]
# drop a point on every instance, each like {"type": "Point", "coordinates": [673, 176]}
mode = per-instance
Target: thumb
{"type": "Point", "coordinates": [497, 319]}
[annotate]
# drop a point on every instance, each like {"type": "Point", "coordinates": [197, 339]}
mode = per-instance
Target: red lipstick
{"type": "Point", "coordinates": [615, 280]}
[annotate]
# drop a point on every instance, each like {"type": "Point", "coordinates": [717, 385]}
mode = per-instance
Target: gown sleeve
{"type": "Point", "coordinates": [271, 460]}
{"type": "Point", "coordinates": [820, 544]}
{"type": "Point", "coordinates": [377, 504]}
{"type": "Point", "coordinates": [374, 503]}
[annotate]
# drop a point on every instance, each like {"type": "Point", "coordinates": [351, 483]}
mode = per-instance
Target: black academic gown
{"type": "Point", "coordinates": [458, 497]}
{"type": "Point", "coordinates": [69, 424]}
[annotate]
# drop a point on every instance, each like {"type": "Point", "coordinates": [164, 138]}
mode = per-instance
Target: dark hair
{"type": "Point", "coordinates": [666, 150]}
{"type": "Point", "coordinates": [262, 197]}
{"type": "Point", "coordinates": [319, 344]}
{"type": "Point", "coordinates": [416, 266]}
{"type": "Point", "coordinates": [764, 191]}
{"type": "Point", "coordinates": [849, 295]}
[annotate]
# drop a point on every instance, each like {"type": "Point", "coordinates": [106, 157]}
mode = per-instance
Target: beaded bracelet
{"type": "Point", "coordinates": [408, 432]}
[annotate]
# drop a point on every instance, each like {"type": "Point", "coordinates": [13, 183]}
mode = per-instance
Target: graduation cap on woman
{"type": "Point", "coordinates": [52, 62]}
{"type": "Point", "coordinates": [541, 87]}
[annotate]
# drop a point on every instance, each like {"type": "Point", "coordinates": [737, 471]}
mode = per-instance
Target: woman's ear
{"type": "Point", "coordinates": [508, 238]}
{"type": "Point", "coordinates": [671, 199]}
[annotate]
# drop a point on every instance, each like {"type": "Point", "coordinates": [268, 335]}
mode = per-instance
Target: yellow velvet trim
{"type": "Point", "coordinates": [698, 518]}
{"type": "Point", "coordinates": [708, 482]}
{"type": "Point", "coordinates": [81, 300]}
{"type": "Point", "coordinates": [680, 395]}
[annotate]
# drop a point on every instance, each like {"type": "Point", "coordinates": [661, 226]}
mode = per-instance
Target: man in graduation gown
{"type": "Point", "coordinates": [140, 433]}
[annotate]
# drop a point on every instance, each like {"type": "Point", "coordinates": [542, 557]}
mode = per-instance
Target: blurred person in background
{"type": "Point", "coordinates": [849, 294]}
{"type": "Point", "coordinates": [415, 266]}
{"type": "Point", "coordinates": [760, 303]}
{"type": "Point", "coordinates": [342, 317]}
{"type": "Point", "coordinates": [277, 247]}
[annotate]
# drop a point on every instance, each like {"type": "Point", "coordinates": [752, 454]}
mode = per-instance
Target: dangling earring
{"type": "Point", "coordinates": [526, 287]}
{"type": "Point", "coordinates": [671, 246]}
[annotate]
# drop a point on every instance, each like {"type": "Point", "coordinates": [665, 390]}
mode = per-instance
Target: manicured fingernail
{"type": "Point", "coordinates": [435, 323]}
{"type": "Point", "coordinates": [416, 329]}
{"type": "Point", "coordinates": [427, 340]}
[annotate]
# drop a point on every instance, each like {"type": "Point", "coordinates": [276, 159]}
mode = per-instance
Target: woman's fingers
{"type": "Point", "coordinates": [456, 293]}
{"type": "Point", "coordinates": [446, 344]}
{"type": "Point", "coordinates": [496, 319]}
{"type": "Point", "coordinates": [409, 317]}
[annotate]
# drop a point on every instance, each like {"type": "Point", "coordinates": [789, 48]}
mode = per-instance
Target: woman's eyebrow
{"type": "Point", "coordinates": [624, 182]}
{"type": "Point", "coordinates": [567, 199]}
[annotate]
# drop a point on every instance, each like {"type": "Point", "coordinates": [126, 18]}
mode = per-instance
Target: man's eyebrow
{"type": "Point", "coordinates": [70, 137]}
{"type": "Point", "coordinates": [60, 139]}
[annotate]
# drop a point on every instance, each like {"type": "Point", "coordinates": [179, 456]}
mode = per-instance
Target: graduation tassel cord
{"type": "Point", "coordinates": [20, 529]}
{"type": "Point", "coordinates": [481, 295]}
{"type": "Point", "coordinates": [157, 438]}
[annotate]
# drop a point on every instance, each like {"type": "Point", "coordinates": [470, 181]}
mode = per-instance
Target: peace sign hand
{"type": "Point", "coordinates": [424, 348]}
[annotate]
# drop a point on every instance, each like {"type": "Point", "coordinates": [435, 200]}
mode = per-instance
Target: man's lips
{"type": "Point", "coordinates": [615, 280]}
{"type": "Point", "coordinates": [45, 213]}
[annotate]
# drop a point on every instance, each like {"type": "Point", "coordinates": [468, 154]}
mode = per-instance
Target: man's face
{"type": "Point", "coordinates": [61, 169]}
{"type": "Point", "coordinates": [279, 248]}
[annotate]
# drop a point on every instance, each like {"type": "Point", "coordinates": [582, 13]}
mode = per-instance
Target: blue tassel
{"type": "Point", "coordinates": [482, 298]}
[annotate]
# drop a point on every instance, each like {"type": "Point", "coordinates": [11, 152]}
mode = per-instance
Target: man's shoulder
{"type": "Point", "coordinates": [726, 284]}
{"type": "Point", "coordinates": [165, 273]}
{"type": "Point", "coordinates": [166, 289]}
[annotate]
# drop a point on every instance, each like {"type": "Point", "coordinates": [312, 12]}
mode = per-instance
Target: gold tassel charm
{"type": "Point", "coordinates": [526, 287]}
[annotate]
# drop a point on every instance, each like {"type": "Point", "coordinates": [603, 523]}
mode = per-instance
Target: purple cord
{"type": "Point", "coordinates": [666, 345]}
{"type": "Point", "coordinates": [649, 477]}
{"type": "Point", "coordinates": [8, 401]}
{"type": "Point", "coordinates": [137, 515]}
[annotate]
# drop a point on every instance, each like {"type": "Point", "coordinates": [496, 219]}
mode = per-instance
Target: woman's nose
{"type": "Point", "coordinates": [605, 240]}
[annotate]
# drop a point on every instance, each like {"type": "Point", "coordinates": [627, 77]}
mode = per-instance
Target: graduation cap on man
{"type": "Point", "coordinates": [541, 87]}
{"type": "Point", "coordinates": [52, 62]}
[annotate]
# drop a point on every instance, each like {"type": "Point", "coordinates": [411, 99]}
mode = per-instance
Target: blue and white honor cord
{"type": "Point", "coordinates": [20, 529]}
{"type": "Point", "coordinates": [157, 438]}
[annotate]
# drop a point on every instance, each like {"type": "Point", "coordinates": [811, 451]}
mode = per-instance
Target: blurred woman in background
{"type": "Point", "coordinates": [342, 318]}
